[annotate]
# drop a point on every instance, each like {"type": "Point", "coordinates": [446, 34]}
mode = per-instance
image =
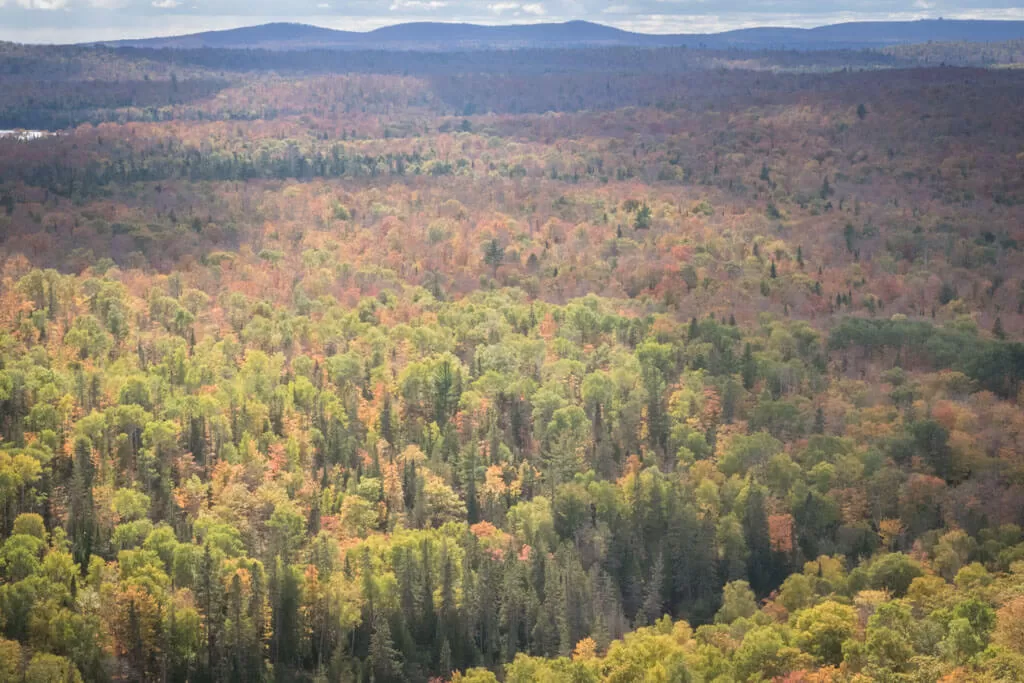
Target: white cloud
{"type": "Point", "coordinates": [323, 5]}
{"type": "Point", "coordinates": [166, 4]}
{"type": "Point", "coordinates": [417, 4]}
{"type": "Point", "coordinates": [43, 4]}
{"type": "Point", "coordinates": [517, 9]}
{"type": "Point", "coordinates": [108, 4]}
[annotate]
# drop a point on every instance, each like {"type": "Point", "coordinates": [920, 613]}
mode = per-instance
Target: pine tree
{"type": "Point", "coordinates": [285, 640]}
{"type": "Point", "coordinates": [208, 596]}
{"type": "Point", "coordinates": [448, 624]}
{"type": "Point", "coordinates": [694, 330]}
{"type": "Point", "coordinates": [653, 605]}
{"type": "Point", "coordinates": [469, 475]}
{"type": "Point", "coordinates": [445, 659]}
{"type": "Point", "coordinates": [387, 430]}
{"type": "Point", "coordinates": [257, 618]}
{"type": "Point", "coordinates": [642, 220]}
{"type": "Point", "coordinates": [748, 367]}
{"type": "Point", "coordinates": [427, 631]}
{"type": "Point", "coordinates": [755, 533]}
{"type": "Point", "coordinates": [494, 254]}
{"type": "Point", "coordinates": [384, 660]}
{"type": "Point", "coordinates": [82, 515]}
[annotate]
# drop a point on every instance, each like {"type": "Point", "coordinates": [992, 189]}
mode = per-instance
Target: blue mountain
{"type": "Point", "coordinates": [445, 36]}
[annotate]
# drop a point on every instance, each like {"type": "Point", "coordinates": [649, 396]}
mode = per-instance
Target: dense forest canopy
{"type": "Point", "coordinates": [643, 365]}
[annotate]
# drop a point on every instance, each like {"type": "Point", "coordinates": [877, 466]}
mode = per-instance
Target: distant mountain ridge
{"type": "Point", "coordinates": [450, 36]}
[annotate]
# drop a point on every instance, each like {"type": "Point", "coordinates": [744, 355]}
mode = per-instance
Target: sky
{"type": "Point", "coordinates": [67, 21]}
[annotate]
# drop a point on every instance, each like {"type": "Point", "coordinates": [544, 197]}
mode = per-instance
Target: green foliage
{"type": "Point", "coordinates": [326, 383]}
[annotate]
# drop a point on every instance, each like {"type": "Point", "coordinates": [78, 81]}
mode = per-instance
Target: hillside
{"type": "Point", "coordinates": [597, 365]}
{"type": "Point", "coordinates": [439, 36]}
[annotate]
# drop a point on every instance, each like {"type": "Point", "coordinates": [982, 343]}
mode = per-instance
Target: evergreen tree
{"type": "Point", "coordinates": [653, 606]}
{"type": "Point", "coordinates": [748, 367]}
{"type": "Point", "coordinates": [385, 662]}
{"type": "Point", "coordinates": [82, 515]}
{"type": "Point", "coordinates": [209, 598]}
{"type": "Point", "coordinates": [760, 566]}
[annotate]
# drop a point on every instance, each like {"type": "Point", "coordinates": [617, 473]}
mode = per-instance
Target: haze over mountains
{"type": "Point", "coordinates": [444, 36]}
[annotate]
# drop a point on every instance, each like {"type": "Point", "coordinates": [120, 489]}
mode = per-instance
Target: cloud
{"type": "Point", "coordinates": [323, 5]}
{"type": "Point", "coordinates": [42, 4]}
{"type": "Point", "coordinates": [417, 4]}
{"type": "Point", "coordinates": [517, 9]}
{"type": "Point", "coordinates": [166, 4]}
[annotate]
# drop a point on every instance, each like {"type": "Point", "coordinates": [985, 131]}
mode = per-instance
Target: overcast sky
{"type": "Point", "coordinates": [62, 21]}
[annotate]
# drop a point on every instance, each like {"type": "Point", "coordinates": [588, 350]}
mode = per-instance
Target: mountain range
{"type": "Point", "coordinates": [449, 36]}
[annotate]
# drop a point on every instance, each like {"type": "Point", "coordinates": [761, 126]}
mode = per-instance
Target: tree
{"type": "Point", "coordinates": [822, 630]}
{"type": "Point", "coordinates": [894, 572]}
{"type": "Point", "coordinates": [737, 601]}
{"type": "Point", "coordinates": [760, 654]}
{"type": "Point", "coordinates": [796, 592]}
{"type": "Point", "coordinates": [44, 668]}
{"type": "Point", "coordinates": [81, 520]}
{"type": "Point", "coordinates": [494, 255]}
{"type": "Point", "coordinates": [761, 569]}
{"type": "Point", "coordinates": [642, 220]}
{"type": "Point", "coordinates": [1009, 630]}
{"type": "Point", "coordinates": [10, 661]}
{"type": "Point", "coordinates": [384, 660]}
{"type": "Point", "coordinates": [890, 638]}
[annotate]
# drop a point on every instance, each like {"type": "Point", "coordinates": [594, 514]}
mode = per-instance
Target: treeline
{"type": "Point", "coordinates": [117, 162]}
{"type": "Point", "coordinates": [996, 364]}
{"type": "Point", "coordinates": [54, 105]}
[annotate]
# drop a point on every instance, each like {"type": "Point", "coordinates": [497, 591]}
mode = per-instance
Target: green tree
{"type": "Point", "coordinates": [737, 601]}
{"type": "Point", "coordinates": [384, 660]}
{"type": "Point", "coordinates": [821, 630]}
{"type": "Point", "coordinates": [494, 255]}
{"type": "Point", "coordinates": [45, 668]}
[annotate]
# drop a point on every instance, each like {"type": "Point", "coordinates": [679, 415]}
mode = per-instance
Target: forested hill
{"type": "Point", "coordinates": [441, 36]}
{"type": "Point", "coordinates": [600, 365]}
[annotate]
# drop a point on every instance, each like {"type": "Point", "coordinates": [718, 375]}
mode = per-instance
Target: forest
{"type": "Point", "coordinates": [595, 365]}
